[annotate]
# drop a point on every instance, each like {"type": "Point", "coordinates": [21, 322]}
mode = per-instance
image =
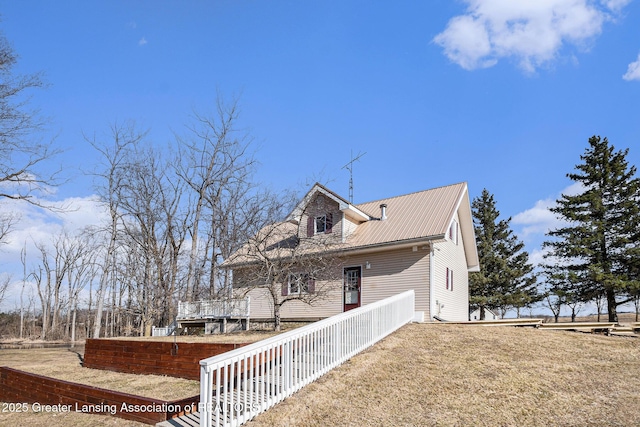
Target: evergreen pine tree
{"type": "Point", "coordinates": [599, 244]}
{"type": "Point", "coordinates": [506, 278]}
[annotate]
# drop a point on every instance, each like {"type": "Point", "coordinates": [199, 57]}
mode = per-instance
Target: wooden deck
{"type": "Point", "coordinates": [607, 328]}
{"type": "Point", "coordinates": [592, 327]}
{"type": "Point", "coordinates": [534, 322]}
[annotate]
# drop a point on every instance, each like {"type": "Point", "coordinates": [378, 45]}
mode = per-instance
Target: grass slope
{"type": "Point", "coordinates": [431, 375]}
{"type": "Point", "coordinates": [447, 375]}
{"type": "Point", "coordinates": [64, 364]}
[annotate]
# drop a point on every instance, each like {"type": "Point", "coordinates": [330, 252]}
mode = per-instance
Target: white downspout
{"type": "Point", "coordinates": [432, 258]}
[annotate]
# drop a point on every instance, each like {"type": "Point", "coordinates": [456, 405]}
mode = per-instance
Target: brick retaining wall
{"type": "Point", "coordinates": [151, 357]}
{"type": "Point", "coordinates": [25, 387]}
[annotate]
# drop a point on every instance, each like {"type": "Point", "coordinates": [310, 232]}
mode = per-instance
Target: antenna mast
{"type": "Point", "coordinates": [349, 167]}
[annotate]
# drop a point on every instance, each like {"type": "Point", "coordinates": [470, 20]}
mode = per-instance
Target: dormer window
{"type": "Point", "coordinates": [320, 224]}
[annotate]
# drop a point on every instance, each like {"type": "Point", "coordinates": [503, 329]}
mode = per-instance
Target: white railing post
{"type": "Point", "coordinates": [206, 394]}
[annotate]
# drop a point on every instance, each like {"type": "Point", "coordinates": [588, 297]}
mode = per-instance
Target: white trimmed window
{"type": "Point", "coordinates": [453, 232]}
{"type": "Point", "coordinates": [299, 283]}
{"type": "Point", "coordinates": [449, 279]}
{"type": "Point", "coordinates": [321, 224]}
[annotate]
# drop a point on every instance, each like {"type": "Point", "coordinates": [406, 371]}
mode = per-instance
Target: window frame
{"type": "Point", "coordinates": [323, 221]}
{"type": "Point", "coordinates": [453, 232]}
{"type": "Point", "coordinates": [301, 281]}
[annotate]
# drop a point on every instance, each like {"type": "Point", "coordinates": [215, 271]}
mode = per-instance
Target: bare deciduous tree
{"type": "Point", "coordinates": [22, 157]}
{"type": "Point", "coordinates": [80, 253]}
{"type": "Point", "coordinates": [5, 280]}
{"type": "Point", "coordinates": [110, 175]}
{"type": "Point", "coordinates": [217, 168]}
{"type": "Point", "coordinates": [284, 262]}
{"type": "Point", "coordinates": [150, 203]}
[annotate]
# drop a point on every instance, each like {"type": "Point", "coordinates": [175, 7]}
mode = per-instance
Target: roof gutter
{"type": "Point", "coordinates": [357, 250]}
{"type": "Point", "coordinates": [396, 245]}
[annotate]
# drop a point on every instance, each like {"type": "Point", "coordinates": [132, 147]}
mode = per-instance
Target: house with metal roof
{"type": "Point", "coordinates": [422, 241]}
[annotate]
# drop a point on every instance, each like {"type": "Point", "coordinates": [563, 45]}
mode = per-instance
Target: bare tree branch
{"type": "Point", "coordinates": [23, 158]}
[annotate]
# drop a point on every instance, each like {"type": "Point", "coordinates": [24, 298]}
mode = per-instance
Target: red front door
{"type": "Point", "coordinates": [352, 281]}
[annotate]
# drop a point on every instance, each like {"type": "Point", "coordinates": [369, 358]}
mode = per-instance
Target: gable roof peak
{"type": "Point", "coordinates": [344, 205]}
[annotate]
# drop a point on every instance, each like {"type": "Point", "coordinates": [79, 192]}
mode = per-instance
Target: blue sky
{"type": "Point", "coordinates": [502, 94]}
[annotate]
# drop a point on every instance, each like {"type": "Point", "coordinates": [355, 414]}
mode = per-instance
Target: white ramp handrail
{"type": "Point", "coordinates": [238, 385]}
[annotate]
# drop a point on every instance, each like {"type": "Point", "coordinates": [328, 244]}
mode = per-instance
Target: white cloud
{"type": "Point", "coordinates": [37, 225]}
{"type": "Point", "coordinates": [633, 72]}
{"type": "Point", "coordinates": [574, 189]}
{"type": "Point", "coordinates": [536, 256]}
{"type": "Point", "coordinates": [539, 220]}
{"type": "Point", "coordinates": [142, 41]}
{"type": "Point", "coordinates": [532, 225]}
{"type": "Point", "coordinates": [531, 32]}
{"type": "Point", "coordinates": [615, 5]}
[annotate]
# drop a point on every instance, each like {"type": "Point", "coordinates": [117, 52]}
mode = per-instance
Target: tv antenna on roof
{"type": "Point", "coordinates": [349, 167]}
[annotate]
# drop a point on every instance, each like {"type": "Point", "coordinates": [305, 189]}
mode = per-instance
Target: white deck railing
{"type": "Point", "coordinates": [160, 331]}
{"type": "Point", "coordinates": [238, 385]}
{"type": "Point", "coordinates": [219, 308]}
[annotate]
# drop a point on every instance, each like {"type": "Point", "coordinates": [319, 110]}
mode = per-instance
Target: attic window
{"type": "Point", "coordinates": [320, 224]}
{"type": "Point", "coordinates": [453, 232]}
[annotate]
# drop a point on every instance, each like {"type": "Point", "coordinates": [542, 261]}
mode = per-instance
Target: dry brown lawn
{"type": "Point", "coordinates": [434, 375]}
{"type": "Point", "coordinates": [449, 375]}
{"type": "Point", "coordinates": [65, 364]}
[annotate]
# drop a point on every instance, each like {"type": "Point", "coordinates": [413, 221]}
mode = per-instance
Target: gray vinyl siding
{"type": "Point", "coordinates": [328, 304]}
{"type": "Point", "coordinates": [393, 272]}
{"type": "Point", "coordinates": [260, 304]}
{"type": "Point", "coordinates": [347, 227]}
{"type": "Point", "coordinates": [451, 305]}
